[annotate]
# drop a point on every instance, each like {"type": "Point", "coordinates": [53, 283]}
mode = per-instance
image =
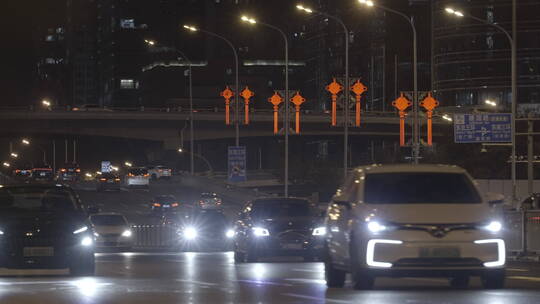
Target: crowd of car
{"type": "Point", "coordinates": [385, 220]}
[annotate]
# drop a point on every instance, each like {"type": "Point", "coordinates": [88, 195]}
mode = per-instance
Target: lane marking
{"type": "Point", "coordinates": [306, 270]}
{"type": "Point", "coordinates": [517, 269]}
{"type": "Point", "coordinates": [533, 279]}
{"type": "Point", "coordinates": [197, 282]}
{"type": "Point", "coordinates": [259, 282]}
{"type": "Point", "coordinates": [315, 299]}
{"type": "Point", "coordinates": [307, 281]}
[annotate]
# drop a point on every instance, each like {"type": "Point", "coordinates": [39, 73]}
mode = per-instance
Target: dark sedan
{"type": "Point", "coordinates": [44, 226]}
{"type": "Point", "coordinates": [278, 227]}
{"type": "Point", "coordinates": [108, 181]}
{"type": "Point", "coordinates": [205, 230]}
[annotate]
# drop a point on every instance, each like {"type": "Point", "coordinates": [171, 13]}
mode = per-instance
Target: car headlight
{"type": "Point", "coordinates": [1, 232]}
{"type": "Point", "coordinates": [126, 233]}
{"type": "Point", "coordinates": [319, 231]}
{"type": "Point", "coordinates": [376, 227]}
{"type": "Point", "coordinates": [493, 226]}
{"type": "Point", "coordinates": [230, 233]}
{"type": "Point", "coordinates": [80, 230]}
{"type": "Point", "coordinates": [87, 241]}
{"type": "Point", "coordinates": [258, 231]}
{"type": "Point", "coordinates": [190, 233]}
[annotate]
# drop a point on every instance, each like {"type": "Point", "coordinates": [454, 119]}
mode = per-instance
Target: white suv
{"type": "Point", "coordinates": [413, 221]}
{"type": "Point", "coordinates": [159, 172]}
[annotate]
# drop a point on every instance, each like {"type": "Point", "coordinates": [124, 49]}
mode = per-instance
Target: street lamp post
{"type": "Point", "coordinates": [513, 106]}
{"type": "Point", "coordinates": [229, 43]}
{"type": "Point", "coordinates": [286, 126]}
{"type": "Point", "coordinates": [191, 132]}
{"type": "Point", "coordinates": [416, 124]}
{"type": "Point", "coordinates": [206, 161]}
{"type": "Point", "coordinates": [347, 88]}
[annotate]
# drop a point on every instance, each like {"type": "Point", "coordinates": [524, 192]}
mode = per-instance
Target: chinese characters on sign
{"type": "Point", "coordinates": [482, 128]}
{"type": "Point", "coordinates": [237, 164]}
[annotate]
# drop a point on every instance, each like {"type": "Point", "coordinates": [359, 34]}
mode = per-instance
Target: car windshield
{"type": "Point", "coordinates": [108, 220]}
{"type": "Point", "coordinates": [419, 188]}
{"type": "Point", "coordinates": [36, 199]}
{"type": "Point", "coordinates": [138, 171]}
{"type": "Point", "coordinates": [211, 218]}
{"type": "Point", "coordinates": [108, 175]}
{"type": "Point", "coordinates": [281, 208]}
{"type": "Point", "coordinates": [165, 199]}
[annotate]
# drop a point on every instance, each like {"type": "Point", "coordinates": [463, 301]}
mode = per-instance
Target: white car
{"type": "Point", "coordinates": [159, 172]}
{"type": "Point", "coordinates": [111, 231]}
{"type": "Point", "coordinates": [138, 177]}
{"type": "Point", "coordinates": [420, 221]}
{"type": "Point", "coordinates": [209, 201]}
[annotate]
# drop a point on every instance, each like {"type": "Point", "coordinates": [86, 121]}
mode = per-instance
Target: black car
{"type": "Point", "coordinates": [165, 203]}
{"type": "Point", "coordinates": [69, 173]}
{"type": "Point", "coordinates": [279, 227]}
{"type": "Point", "coordinates": [205, 230]}
{"type": "Point", "coordinates": [42, 174]}
{"type": "Point", "coordinates": [108, 181]}
{"type": "Point", "coordinates": [44, 226]}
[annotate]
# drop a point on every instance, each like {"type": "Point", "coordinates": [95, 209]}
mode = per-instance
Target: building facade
{"type": "Point", "coordinates": [471, 60]}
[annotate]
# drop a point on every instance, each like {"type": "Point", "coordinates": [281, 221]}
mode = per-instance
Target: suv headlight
{"type": "Point", "coordinates": [258, 231]}
{"type": "Point", "coordinates": [493, 226]}
{"type": "Point", "coordinates": [190, 233]}
{"type": "Point", "coordinates": [376, 227]}
{"type": "Point", "coordinates": [126, 233]}
{"type": "Point", "coordinates": [87, 241]}
{"type": "Point", "coordinates": [319, 231]}
{"type": "Point", "coordinates": [229, 233]}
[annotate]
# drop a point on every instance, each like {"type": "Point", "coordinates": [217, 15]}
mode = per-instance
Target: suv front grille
{"type": "Point", "coordinates": [438, 262]}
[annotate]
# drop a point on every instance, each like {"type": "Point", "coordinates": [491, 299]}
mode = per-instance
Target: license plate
{"type": "Point", "coordinates": [110, 181]}
{"type": "Point", "coordinates": [439, 252]}
{"type": "Point", "coordinates": [291, 246]}
{"type": "Point", "coordinates": [42, 174]}
{"type": "Point", "coordinates": [38, 251]}
{"type": "Point", "coordinates": [166, 206]}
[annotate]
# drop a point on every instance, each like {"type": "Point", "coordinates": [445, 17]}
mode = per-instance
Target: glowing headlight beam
{"type": "Point", "coordinates": [82, 229]}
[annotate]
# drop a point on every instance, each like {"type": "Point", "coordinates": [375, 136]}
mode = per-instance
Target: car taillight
{"type": "Point", "coordinates": [103, 179]}
{"type": "Point", "coordinates": [78, 170]}
{"type": "Point", "coordinates": [117, 179]}
{"type": "Point", "coordinates": [146, 175]}
{"type": "Point", "coordinates": [157, 205]}
{"type": "Point", "coordinates": [62, 170]}
{"type": "Point", "coordinates": [131, 174]}
{"type": "Point", "coordinates": [174, 204]}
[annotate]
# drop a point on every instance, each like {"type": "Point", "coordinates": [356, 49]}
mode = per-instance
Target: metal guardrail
{"type": "Point", "coordinates": [154, 236]}
{"type": "Point", "coordinates": [522, 234]}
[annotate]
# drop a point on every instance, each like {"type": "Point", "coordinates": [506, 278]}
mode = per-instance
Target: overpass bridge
{"type": "Point", "coordinates": [166, 124]}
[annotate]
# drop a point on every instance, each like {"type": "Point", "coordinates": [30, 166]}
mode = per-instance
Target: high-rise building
{"type": "Point", "coordinates": [81, 51]}
{"type": "Point", "coordinates": [471, 60]}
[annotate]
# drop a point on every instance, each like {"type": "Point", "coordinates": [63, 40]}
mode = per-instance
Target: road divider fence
{"type": "Point", "coordinates": [522, 233]}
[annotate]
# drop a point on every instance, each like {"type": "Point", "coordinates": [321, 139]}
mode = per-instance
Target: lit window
{"type": "Point", "coordinates": [128, 84]}
{"type": "Point", "coordinates": [127, 23]}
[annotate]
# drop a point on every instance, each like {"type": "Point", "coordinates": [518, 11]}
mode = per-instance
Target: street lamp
{"type": "Point", "coordinates": [6, 164]}
{"type": "Point", "coordinates": [14, 155]}
{"type": "Point", "coordinates": [25, 141]}
{"type": "Point", "coordinates": [416, 127]}
{"type": "Point", "coordinates": [252, 21]}
{"type": "Point", "coordinates": [347, 86]}
{"type": "Point", "coordinates": [191, 131]}
{"type": "Point", "coordinates": [46, 103]}
{"type": "Point", "coordinates": [513, 107]}
{"type": "Point", "coordinates": [237, 123]}
{"type": "Point", "coordinates": [128, 164]}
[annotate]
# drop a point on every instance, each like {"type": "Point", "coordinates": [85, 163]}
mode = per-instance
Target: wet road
{"type": "Point", "coordinates": [214, 278]}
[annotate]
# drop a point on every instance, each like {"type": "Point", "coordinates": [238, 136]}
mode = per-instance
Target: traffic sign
{"type": "Point", "coordinates": [237, 164]}
{"type": "Point", "coordinates": [482, 128]}
{"type": "Point", "coordinates": [105, 166]}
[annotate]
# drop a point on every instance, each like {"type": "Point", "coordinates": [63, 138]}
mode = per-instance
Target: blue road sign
{"type": "Point", "coordinates": [482, 128]}
{"type": "Point", "coordinates": [237, 164]}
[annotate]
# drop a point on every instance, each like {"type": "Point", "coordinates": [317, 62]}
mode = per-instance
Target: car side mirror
{"type": "Point", "coordinates": [494, 198]}
{"type": "Point", "coordinates": [93, 210]}
{"type": "Point", "coordinates": [343, 204]}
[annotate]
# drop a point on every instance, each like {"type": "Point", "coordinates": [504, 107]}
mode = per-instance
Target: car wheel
{"type": "Point", "coordinates": [86, 267]}
{"type": "Point", "coordinates": [493, 279]}
{"type": "Point", "coordinates": [460, 282]}
{"type": "Point", "coordinates": [362, 279]}
{"type": "Point", "coordinates": [239, 257]}
{"type": "Point", "coordinates": [335, 278]}
{"type": "Point", "coordinates": [252, 256]}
